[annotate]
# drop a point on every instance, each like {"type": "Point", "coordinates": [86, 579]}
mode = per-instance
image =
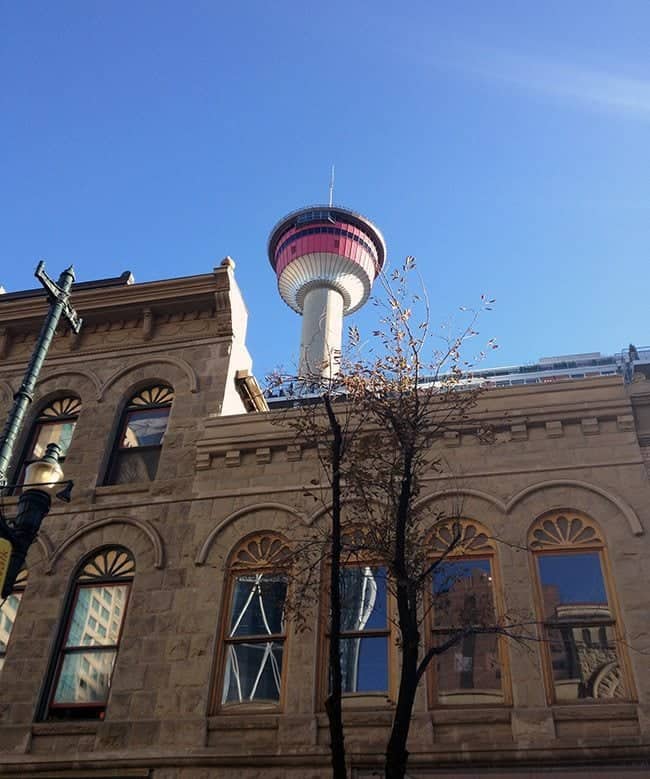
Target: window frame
{"type": "Point", "coordinates": [130, 409]}
{"type": "Point", "coordinates": [475, 543]}
{"type": "Point", "coordinates": [388, 633]}
{"type": "Point", "coordinates": [248, 558]}
{"type": "Point", "coordinates": [357, 700]}
{"type": "Point", "coordinates": [61, 651]}
{"type": "Point", "coordinates": [565, 547]}
{"type": "Point", "coordinates": [41, 421]}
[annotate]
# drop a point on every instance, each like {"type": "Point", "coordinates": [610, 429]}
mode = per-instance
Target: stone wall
{"type": "Point", "coordinates": [571, 446]}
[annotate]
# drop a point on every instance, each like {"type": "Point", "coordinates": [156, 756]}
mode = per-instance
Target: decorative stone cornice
{"type": "Point", "coordinates": [127, 307]}
{"type": "Point", "coordinates": [532, 415]}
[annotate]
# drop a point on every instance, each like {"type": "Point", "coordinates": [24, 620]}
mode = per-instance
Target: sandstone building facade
{"type": "Point", "coordinates": [146, 637]}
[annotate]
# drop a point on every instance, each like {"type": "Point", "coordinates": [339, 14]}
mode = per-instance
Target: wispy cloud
{"type": "Point", "coordinates": [583, 87]}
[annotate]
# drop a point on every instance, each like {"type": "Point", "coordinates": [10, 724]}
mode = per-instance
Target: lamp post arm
{"type": "Point", "coordinates": [58, 294]}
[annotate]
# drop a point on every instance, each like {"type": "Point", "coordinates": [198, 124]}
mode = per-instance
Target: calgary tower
{"type": "Point", "coordinates": [325, 259]}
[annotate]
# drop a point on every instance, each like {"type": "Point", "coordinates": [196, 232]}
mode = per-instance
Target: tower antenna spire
{"type": "Point", "coordinates": [331, 185]}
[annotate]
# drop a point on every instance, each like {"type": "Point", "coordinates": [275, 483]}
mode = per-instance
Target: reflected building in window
{"type": "Point", "coordinates": [364, 629]}
{"type": "Point", "coordinates": [583, 651]}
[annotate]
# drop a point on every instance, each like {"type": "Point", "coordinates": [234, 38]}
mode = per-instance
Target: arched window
{"type": "Point", "coordinates": [464, 595]}
{"type": "Point", "coordinates": [581, 646]}
{"type": "Point", "coordinates": [140, 437]}
{"type": "Point", "coordinates": [9, 612]}
{"type": "Point", "coordinates": [90, 636]}
{"type": "Point", "coordinates": [255, 630]}
{"type": "Point", "coordinates": [55, 424]}
{"type": "Point", "coordinates": [366, 643]}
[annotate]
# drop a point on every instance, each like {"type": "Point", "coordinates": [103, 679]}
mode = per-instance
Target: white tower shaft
{"type": "Point", "coordinates": [322, 332]}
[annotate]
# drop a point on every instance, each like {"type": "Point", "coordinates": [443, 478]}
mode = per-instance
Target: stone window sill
{"type": "Point", "coordinates": [594, 710]}
{"type": "Point", "coordinates": [243, 719]}
{"type": "Point", "coordinates": [65, 728]}
{"type": "Point", "coordinates": [110, 490]}
{"type": "Point", "coordinates": [470, 715]}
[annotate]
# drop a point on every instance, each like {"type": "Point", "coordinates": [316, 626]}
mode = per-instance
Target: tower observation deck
{"type": "Point", "coordinates": [325, 259]}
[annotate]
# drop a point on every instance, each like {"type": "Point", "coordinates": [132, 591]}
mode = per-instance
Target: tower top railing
{"type": "Point", "coordinates": [324, 213]}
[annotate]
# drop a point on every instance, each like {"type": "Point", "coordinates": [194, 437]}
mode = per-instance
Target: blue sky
{"type": "Point", "coordinates": [504, 144]}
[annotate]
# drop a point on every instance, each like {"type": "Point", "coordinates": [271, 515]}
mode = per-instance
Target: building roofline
{"type": "Point", "coordinates": [97, 298]}
{"type": "Point", "coordinates": [114, 281]}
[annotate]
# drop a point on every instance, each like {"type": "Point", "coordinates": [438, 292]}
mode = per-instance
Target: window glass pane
{"type": "Point", "coordinates": [462, 592]}
{"type": "Point", "coordinates": [96, 627]}
{"type": "Point", "coordinates": [52, 432]}
{"type": "Point", "coordinates": [585, 662]}
{"type": "Point", "coordinates": [573, 586]}
{"type": "Point", "coordinates": [364, 664]}
{"type": "Point", "coordinates": [131, 466]}
{"type": "Point", "coordinates": [77, 685]}
{"type": "Point", "coordinates": [258, 605]}
{"type": "Point", "coordinates": [145, 428]}
{"type": "Point", "coordinates": [470, 671]}
{"type": "Point", "coordinates": [363, 598]}
{"type": "Point", "coordinates": [253, 672]}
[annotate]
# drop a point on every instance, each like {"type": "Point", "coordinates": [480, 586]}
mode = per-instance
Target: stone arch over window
{"type": "Point", "coordinates": [144, 541]}
{"type": "Point", "coordinates": [591, 499]}
{"type": "Point", "coordinates": [182, 374]}
{"type": "Point", "coordinates": [582, 648]}
{"type": "Point", "coordinates": [268, 513]}
{"type": "Point", "coordinates": [82, 667]}
{"type": "Point", "coordinates": [140, 435]}
{"type": "Point", "coordinates": [54, 423]}
{"type": "Point", "coordinates": [464, 599]}
{"type": "Point", "coordinates": [83, 381]}
{"type": "Point", "coordinates": [253, 633]}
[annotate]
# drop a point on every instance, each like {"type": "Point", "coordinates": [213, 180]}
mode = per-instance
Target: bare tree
{"type": "Point", "coordinates": [376, 425]}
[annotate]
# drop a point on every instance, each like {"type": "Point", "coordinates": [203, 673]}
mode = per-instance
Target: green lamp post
{"type": "Point", "coordinates": [42, 476]}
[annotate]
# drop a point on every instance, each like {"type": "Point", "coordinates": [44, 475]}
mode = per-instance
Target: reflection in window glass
{"type": "Point", "coordinates": [364, 629]}
{"type": "Point", "coordinates": [579, 627]}
{"type": "Point", "coordinates": [145, 427]}
{"type": "Point", "coordinates": [52, 432]}
{"type": "Point", "coordinates": [255, 640]}
{"type": "Point", "coordinates": [470, 671]}
{"type": "Point", "coordinates": [140, 440]}
{"type": "Point", "coordinates": [463, 593]}
{"type": "Point", "coordinates": [90, 641]}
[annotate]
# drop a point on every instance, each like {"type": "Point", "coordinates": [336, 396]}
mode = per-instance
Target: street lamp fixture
{"type": "Point", "coordinates": [42, 478]}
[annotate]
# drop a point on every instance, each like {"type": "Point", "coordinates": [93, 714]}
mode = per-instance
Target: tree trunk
{"type": "Point", "coordinates": [335, 694]}
{"type": "Point", "coordinates": [396, 751]}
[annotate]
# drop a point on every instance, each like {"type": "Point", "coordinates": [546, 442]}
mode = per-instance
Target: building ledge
{"type": "Point", "coordinates": [79, 728]}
